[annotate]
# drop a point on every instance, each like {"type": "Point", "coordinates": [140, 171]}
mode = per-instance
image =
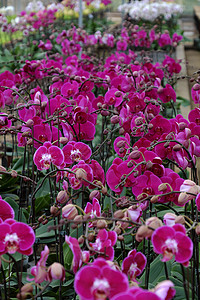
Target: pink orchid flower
{"type": "Point", "coordinates": [16, 237]}
{"type": "Point", "coordinates": [94, 282]}
{"type": "Point", "coordinates": [172, 241]}
{"type": "Point", "coordinates": [47, 154]}
{"type": "Point", "coordinates": [134, 264]}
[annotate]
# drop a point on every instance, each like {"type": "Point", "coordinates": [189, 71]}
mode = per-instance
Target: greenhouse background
{"type": "Point", "coordinates": [21, 4]}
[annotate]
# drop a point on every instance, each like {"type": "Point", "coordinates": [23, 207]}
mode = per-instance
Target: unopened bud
{"type": "Point", "coordinates": [177, 147]}
{"type": "Point", "coordinates": [54, 210]}
{"type": "Point", "coordinates": [30, 142]}
{"type": "Point", "coordinates": [115, 119]}
{"type": "Point", "coordinates": [29, 123]}
{"type": "Point", "coordinates": [197, 230]}
{"type": "Point", "coordinates": [154, 199]}
{"type": "Point", "coordinates": [118, 94]}
{"type": "Point", "coordinates": [101, 224]}
{"type": "Point", "coordinates": [119, 214]}
{"type": "Point", "coordinates": [130, 164]}
{"type": "Point", "coordinates": [69, 212]}
{"type": "Point", "coordinates": [26, 134]}
{"type": "Point", "coordinates": [90, 237]}
{"type": "Point", "coordinates": [55, 79]}
{"type": "Point", "coordinates": [95, 194]}
{"type": "Point", "coordinates": [13, 174]}
{"type": "Point", "coordinates": [120, 238]}
{"type": "Point", "coordinates": [135, 154]}
{"type": "Point", "coordinates": [196, 87]}
{"type": "Point", "coordinates": [162, 187]}
{"type": "Point", "coordinates": [81, 174]}
{"type": "Point", "coordinates": [62, 197]}
{"type": "Point", "coordinates": [56, 271]}
{"type": "Point", "coordinates": [104, 190]}
{"type": "Point", "coordinates": [120, 144]}
{"type": "Point", "coordinates": [63, 140]}
{"type": "Point", "coordinates": [180, 220]}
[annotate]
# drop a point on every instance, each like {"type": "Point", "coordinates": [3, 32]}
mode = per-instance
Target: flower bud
{"type": "Point", "coordinates": [197, 230]}
{"type": "Point", "coordinates": [118, 230]}
{"type": "Point", "coordinates": [118, 94]}
{"type": "Point", "coordinates": [182, 126]}
{"type": "Point", "coordinates": [81, 240]}
{"type": "Point", "coordinates": [196, 87]}
{"type": "Point", "coordinates": [101, 224]}
{"type": "Point", "coordinates": [26, 134]}
{"type": "Point", "coordinates": [56, 271]}
{"type": "Point", "coordinates": [30, 142]}
{"type": "Point", "coordinates": [154, 199]}
{"type": "Point", "coordinates": [115, 119]}
{"type": "Point", "coordinates": [29, 123]}
{"type": "Point", "coordinates": [13, 174]}
{"type": "Point", "coordinates": [129, 164]}
{"type": "Point", "coordinates": [177, 147]}
{"type": "Point", "coordinates": [54, 211]}
{"type": "Point", "coordinates": [121, 131]}
{"type": "Point", "coordinates": [55, 79]}
{"type": "Point", "coordinates": [119, 214]}
{"type": "Point", "coordinates": [95, 194]}
{"type": "Point", "coordinates": [180, 220]}
{"type": "Point", "coordinates": [135, 154]}
{"type": "Point", "coordinates": [63, 140]}
{"type": "Point", "coordinates": [104, 190]}
{"type": "Point", "coordinates": [62, 197]}
{"type": "Point", "coordinates": [183, 198]}
{"type": "Point", "coordinates": [120, 144]}
{"type": "Point", "coordinates": [120, 238]}
{"type": "Point", "coordinates": [69, 212]}
{"type": "Point", "coordinates": [90, 237]}
{"type": "Point", "coordinates": [162, 187]}
{"type": "Point", "coordinates": [81, 174]}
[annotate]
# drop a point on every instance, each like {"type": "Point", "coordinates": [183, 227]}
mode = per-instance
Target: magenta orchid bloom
{"type": "Point", "coordinates": [136, 294]}
{"type": "Point", "coordinates": [74, 152]}
{"type": "Point", "coordinates": [165, 290]}
{"type": "Point", "coordinates": [83, 171]}
{"type": "Point", "coordinates": [172, 241]}
{"type": "Point", "coordinates": [134, 264]}
{"type": "Point", "coordinates": [104, 243]}
{"type": "Point", "coordinates": [69, 89]}
{"type": "Point", "coordinates": [16, 237]}
{"type": "Point", "coordinates": [6, 211]}
{"type": "Point", "coordinates": [40, 271]}
{"type": "Point", "coordinates": [114, 97]}
{"type": "Point", "coordinates": [121, 145]}
{"type": "Point", "coordinates": [94, 282]}
{"type": "Point", "coordinates": [167, 94]}
{"type": "Point", "coordinates": [79, 256]}
{"type": "Point", "coordinates": [94, 208]}
{"type": "Point", "coordinates": [47, 154]}
{"type": "Point", "coordinates": [146, 184]}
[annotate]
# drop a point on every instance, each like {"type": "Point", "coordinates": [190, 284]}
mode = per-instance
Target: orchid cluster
{"type": "Point", "coordinates": [103, 179]}
{"type": "Point", "coordinates": [151, 10]}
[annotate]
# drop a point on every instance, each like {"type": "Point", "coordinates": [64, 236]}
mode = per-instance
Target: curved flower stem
{"type": "Point", "coordinates": [124, 180]}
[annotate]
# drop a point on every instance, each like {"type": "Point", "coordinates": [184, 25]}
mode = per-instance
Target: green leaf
{"type": "Point", "coordinates": [157, 270]}
{"type": "Point", "coordinates": [41, 203]}
{"type": "Point", "coordinates": [42, 232]}
{"type": "Point", "coordinates": [68, 256]}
